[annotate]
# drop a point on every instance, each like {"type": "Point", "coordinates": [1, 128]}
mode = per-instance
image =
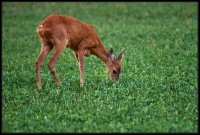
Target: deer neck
{"type": "Point", "coordinates": [102, 54]}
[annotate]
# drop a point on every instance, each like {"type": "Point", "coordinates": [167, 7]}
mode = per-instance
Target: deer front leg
{"type": "Point", "coordinates": [76, 55]}
{"type": "Point", "coordinates": [43, 53]}
{"type": "Point", "coordinates": [81, 67]}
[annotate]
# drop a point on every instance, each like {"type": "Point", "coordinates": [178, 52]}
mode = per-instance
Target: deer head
{"type": "Point", "coordinates": [114, 65]}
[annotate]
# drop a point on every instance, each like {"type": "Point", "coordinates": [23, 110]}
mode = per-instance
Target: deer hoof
{"type": "Point", "coordinates": [81, 84]}
{"type": "Point", "coordinates": [39, 86]}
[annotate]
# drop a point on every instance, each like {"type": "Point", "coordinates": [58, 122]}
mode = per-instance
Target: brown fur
{"type": "Point", "coordinates": [59, 32]}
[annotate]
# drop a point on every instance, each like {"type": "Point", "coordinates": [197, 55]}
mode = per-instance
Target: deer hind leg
{"type": "Point", "coordinates": [59, 47]}
{"type": "Point", "coordinates": [46, 48]}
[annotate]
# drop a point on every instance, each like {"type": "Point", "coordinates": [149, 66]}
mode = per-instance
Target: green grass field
{"type": "Point", "coordinates": [157, 90]}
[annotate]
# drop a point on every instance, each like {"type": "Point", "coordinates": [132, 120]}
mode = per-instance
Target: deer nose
{"type": "Point", "coordinates": [115, 78]}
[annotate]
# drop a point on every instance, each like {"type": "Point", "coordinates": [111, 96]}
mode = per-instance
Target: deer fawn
{"type": "Point", "coordinates": [60, 32]}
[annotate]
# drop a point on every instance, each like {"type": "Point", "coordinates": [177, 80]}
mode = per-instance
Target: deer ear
{"type": "Point", "coordinates": [111, 54]}
{"type": "Point", "coordinates": [119, 57]}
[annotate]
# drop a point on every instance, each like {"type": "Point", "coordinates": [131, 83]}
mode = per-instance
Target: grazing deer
{"type": "Point", "coordinates": [60, 32]}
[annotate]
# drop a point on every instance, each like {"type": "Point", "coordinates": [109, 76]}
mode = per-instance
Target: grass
{"type": "Point", "coordinates": [157, 90]}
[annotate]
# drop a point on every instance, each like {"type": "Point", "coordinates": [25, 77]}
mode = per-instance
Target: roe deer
{"type": "Point", "coordinates": [60, 32]}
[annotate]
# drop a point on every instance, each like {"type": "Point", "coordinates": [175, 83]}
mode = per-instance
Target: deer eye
{"type": "Point", "coordinates": [114, 71]}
